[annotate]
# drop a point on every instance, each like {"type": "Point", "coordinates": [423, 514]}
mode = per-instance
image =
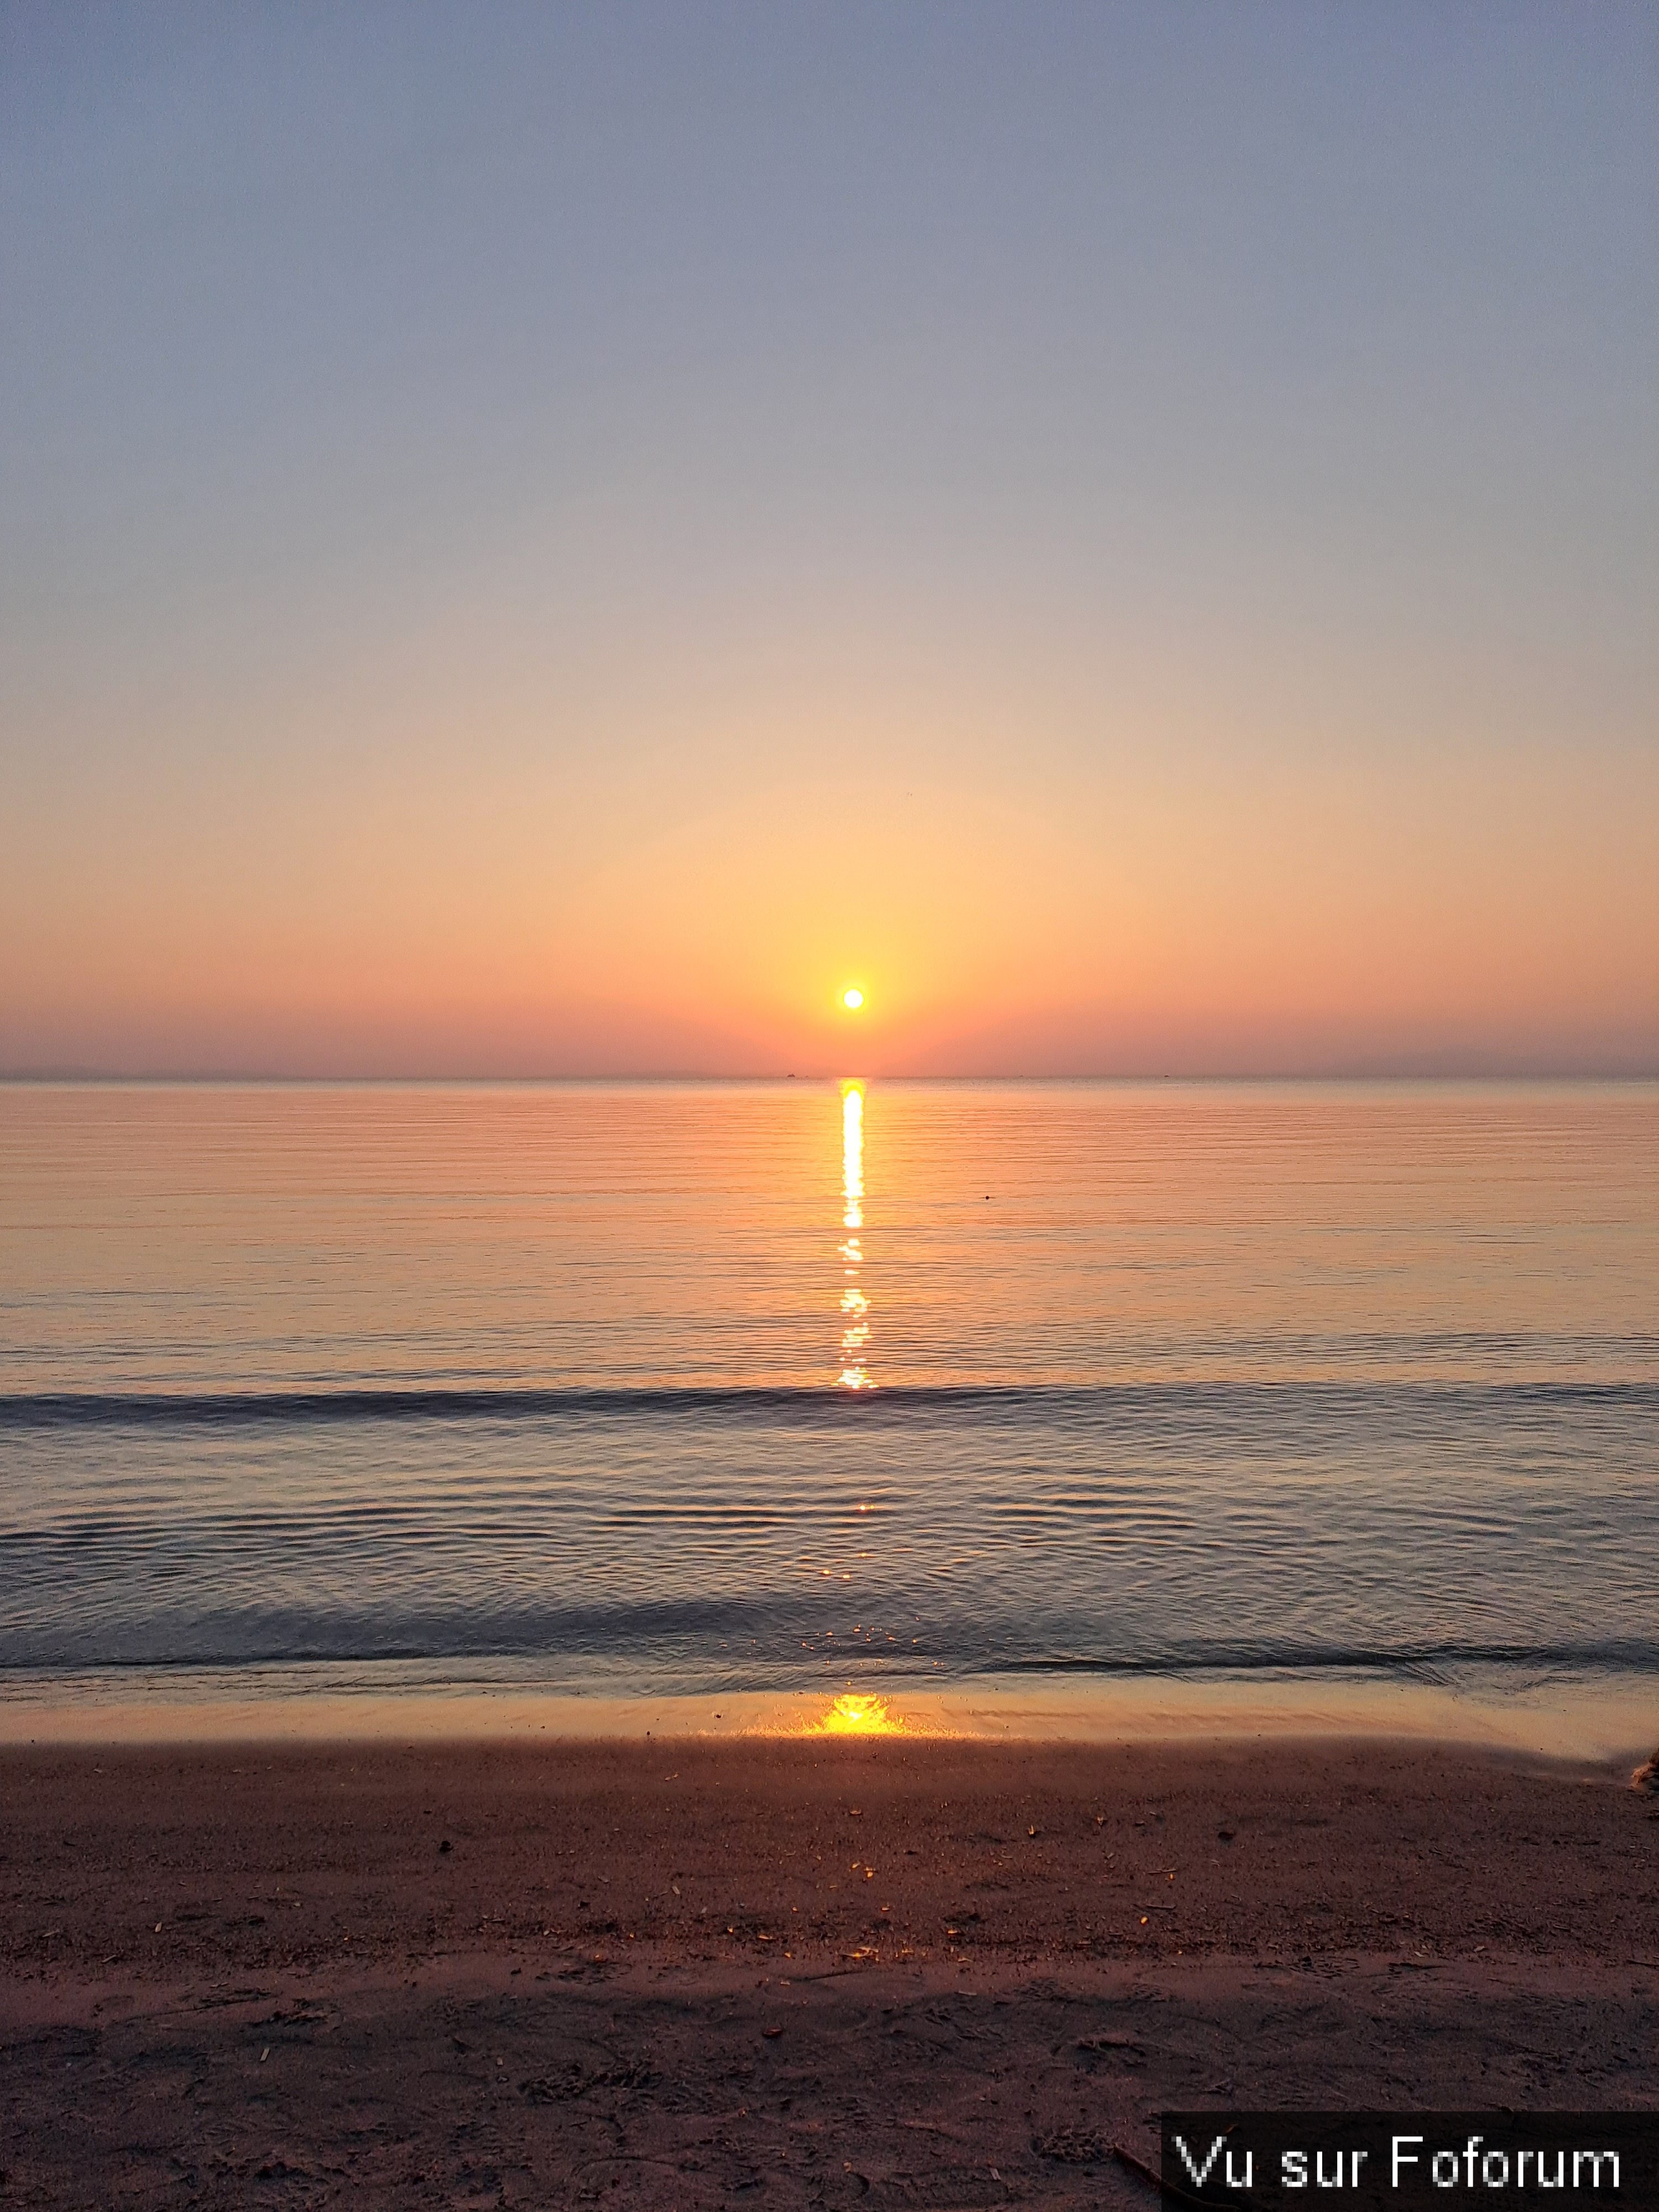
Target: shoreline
{"type": "Point", "coordinates": [1604, 1722]}
{"type": "Point", "coordinates": [841, 1971]}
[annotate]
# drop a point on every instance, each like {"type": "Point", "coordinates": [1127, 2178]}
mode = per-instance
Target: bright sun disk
{"type": "Point", "coordinates": [853, 999]}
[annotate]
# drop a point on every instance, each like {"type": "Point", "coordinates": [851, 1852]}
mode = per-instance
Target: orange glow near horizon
{"type": "Point", "coordinates": [997, 939]}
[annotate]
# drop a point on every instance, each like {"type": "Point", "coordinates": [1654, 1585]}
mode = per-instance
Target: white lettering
{"type": "Point", "coordinates": [1293, 2168]}
{"type": "Point", "coordinates": [1595, 2158]}
{"type": "Point", "coordinates": [1468, 2157]}
{"type": "Point", "coordinates": [1501, 2179]}
{"type": "Point", "coordinates": [1403, 2157]}
{"type": "Point", "coordinates": [1248, 2180]}
{"type": "Point", "coordinates": [1200, 2173]}
{"type": "Point", "coordinates": [1443, 2169]}
{"type": "Point", "coordinates": [1561, 2180]}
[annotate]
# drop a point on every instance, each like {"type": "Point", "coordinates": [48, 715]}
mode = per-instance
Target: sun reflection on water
{"type": "Point", "coordinates": [855, 1714]}
{"type": "Point", "coordinates": [855, 1306]}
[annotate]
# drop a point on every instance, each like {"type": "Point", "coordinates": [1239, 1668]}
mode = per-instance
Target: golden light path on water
{"type": "Point", "coordinates": [857, 1714]}
{"type": "Point", "coordinates": [855, 1306]}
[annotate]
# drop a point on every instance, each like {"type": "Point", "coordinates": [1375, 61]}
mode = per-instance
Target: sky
{"type": "Point", "coordinates": [553, 540]}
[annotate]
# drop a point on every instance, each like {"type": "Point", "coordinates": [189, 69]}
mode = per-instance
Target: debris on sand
{"type": "Point", "coordinates": [1070, 2147]}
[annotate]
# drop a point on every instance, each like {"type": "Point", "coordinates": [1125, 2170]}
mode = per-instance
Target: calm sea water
{"type": "Point", "coordinates": [716, 1389]}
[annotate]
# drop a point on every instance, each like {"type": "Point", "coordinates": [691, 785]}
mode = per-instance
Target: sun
{"type": "Point", "coordinates": [851, 999]}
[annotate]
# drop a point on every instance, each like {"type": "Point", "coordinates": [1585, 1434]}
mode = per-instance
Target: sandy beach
{"type": "Point", "coordinates": [693, 1975]}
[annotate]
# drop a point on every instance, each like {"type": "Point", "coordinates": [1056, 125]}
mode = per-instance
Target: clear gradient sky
{"type": "Point", "coordinates": [546, 539]}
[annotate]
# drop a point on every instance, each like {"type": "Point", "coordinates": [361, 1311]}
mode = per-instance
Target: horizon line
{"type": "Point", "coordinates": [1358, 1072]}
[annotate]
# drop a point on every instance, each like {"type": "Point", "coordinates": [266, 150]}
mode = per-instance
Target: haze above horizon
{"type": "Point", "coordinates": [545, 543]}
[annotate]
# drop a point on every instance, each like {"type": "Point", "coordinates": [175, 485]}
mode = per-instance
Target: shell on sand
{"type": "Point", "coordinates": [1646, 1775]}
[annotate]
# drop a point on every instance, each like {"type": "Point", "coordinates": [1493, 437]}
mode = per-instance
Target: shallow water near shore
{"type": "Point", "coordinates": [1062, 1408]}
{"type": "Point", "coordinates": [1603, 1728]}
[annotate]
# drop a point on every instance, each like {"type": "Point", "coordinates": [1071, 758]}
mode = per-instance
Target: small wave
{"type": "Point", "coordinates": [316, 1407]}
{"type": "Point", "coordinates": [1430, 1661]}
{"type": "Point", "coordinates": [768, 1641]}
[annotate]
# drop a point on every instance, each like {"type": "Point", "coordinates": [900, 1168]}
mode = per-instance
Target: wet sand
{"type": "Point", "coordinates": [874, 1973]}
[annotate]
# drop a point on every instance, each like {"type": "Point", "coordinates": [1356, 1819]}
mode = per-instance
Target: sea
{"type": "Point", "coordinates": [1065, 1408]}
